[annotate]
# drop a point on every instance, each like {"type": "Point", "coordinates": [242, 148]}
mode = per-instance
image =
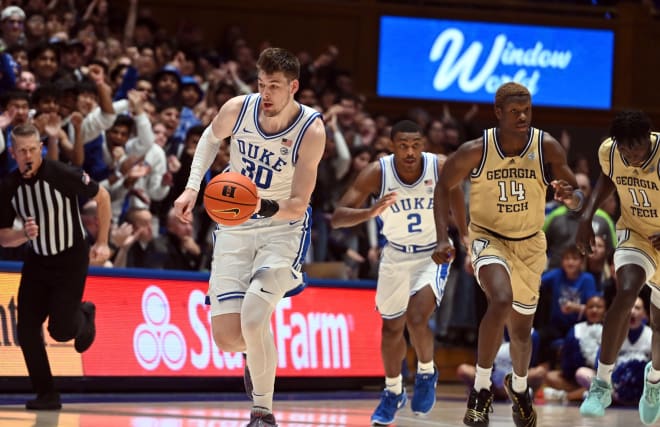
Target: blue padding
{"type": "Point", "coordinates": [146, 273]}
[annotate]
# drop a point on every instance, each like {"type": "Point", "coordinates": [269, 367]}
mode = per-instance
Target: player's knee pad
{"type": "Point", "coordinates": [272, 283]}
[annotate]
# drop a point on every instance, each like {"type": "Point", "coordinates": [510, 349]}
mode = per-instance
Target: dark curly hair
{"type": "Point", "coordinates": [630, 127]}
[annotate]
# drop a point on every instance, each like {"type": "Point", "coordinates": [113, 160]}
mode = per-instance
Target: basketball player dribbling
{"type": "Point", "coordinates": [507, 169]}
{"type": "Point", "coordinates": [278, 143]}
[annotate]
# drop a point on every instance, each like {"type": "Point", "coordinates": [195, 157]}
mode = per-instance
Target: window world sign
{"type": "Point", "coordinates": [468, 61]}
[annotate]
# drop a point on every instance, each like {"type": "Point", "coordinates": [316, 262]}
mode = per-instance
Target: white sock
{"type": "Point", "coordinates": [425, 368]}
{"type": "Point", "coordinates": [482, 378]}
{"type": "Point", "coordinates": [604, 372]}
{"type": "Point", "coordinates": [654, 376]}
{"type": "Point", "coordinates": [519, 384]}
{"type": "Point", "coordinates": [394, 385]}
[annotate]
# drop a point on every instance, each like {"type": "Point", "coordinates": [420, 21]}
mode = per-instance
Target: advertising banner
{"type": "Point", "coordinates": [161, 327]}
{"type": "Point", "coordinates": [467, 61]}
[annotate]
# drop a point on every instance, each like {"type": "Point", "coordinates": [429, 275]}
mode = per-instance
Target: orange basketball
{"type": "Point", "coordinates": [230, 198]}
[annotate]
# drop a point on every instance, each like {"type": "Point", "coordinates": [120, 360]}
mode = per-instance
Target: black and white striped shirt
{"type": "Point", "coordinates": [51, 198]}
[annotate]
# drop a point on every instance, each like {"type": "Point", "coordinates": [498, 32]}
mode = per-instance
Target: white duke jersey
{"type": "Point", "coordinates": [409, 221]}
{"type": "Point", "coordinates": [267, 159]}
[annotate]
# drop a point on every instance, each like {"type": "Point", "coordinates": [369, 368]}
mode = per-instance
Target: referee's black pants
{"type": "Point", "coordinates": [51, 287]}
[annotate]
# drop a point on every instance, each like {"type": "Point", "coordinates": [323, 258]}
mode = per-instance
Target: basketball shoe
{"type": "Point", "coordinates": [86, 336]}
{"type": "Point", "coordinates": [389, 404]}
{"type": "Point", "coordinates": [478, 408]}
{"type": "Point", "coordinates": [261, 419]}
{"type": "Point", "coordinates": [649, 403]}
{"type": "Point", "coordinates": [599, 398]}
{"type": "Point", "coordinates": [49, 401]}
{"type": "Point", "coordinates": [523, 413]}
{"type": "Point", "coordinates": [424, 393]}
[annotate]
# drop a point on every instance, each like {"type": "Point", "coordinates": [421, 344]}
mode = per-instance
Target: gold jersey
{"type": "Point", "coordinates": [638, 187]}
{"type": "Point", "coordinates": [507, 195]}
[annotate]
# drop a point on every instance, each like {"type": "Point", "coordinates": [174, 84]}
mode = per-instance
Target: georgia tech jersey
{"type": "Point", "coordinates": [267, 159]}
{"type": "Point", "coordinates": [507, 195]}
{"type": "Point", "coordinates": [638, 187]}
{"type": "Point", "coordinates": [410, 219]}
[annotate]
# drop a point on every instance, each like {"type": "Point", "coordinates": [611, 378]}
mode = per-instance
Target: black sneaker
{"type": "Point", "coordinates": [260, 419]}
{"type": "Point", "coordinates": [49, 401]}
{"type": "Point", "coordinates": [478, 408]}
{"type": "Point", "coordinates": [524, 414]}
{"type": "Point", "coordinates": [247, 378]}
{"type": "Point", "coordinates": [86, 337]}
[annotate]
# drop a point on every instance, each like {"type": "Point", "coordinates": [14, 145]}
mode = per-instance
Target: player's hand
{"type": "Point", "coordinates": [99, 253]}
{"type": "Point", "coordinates": [444, 253]}
{"type": "Point", "coordinates": [585, 239]}
{"type": "Point", "coordinates": [30, 228]}
{"type": "Point", "coordinates": [383, 203]}
{"type": "Point", "coordinates": [564, 193]}
{"type": "Point", "coordinates": [184, 204]}
{"type": "Point", "coordinates": [655, 240]}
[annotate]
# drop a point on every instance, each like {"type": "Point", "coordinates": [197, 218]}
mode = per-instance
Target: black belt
{"type": "Point", "coordinates": [500, 236]}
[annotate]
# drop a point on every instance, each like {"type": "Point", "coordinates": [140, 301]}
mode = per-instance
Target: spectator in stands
{"type": "Point", "coordinates": [140, 248]}
{"type": "Point", "coordinates": [12, 24]}
{"type": "Point", "coordinates": [167, 85]}
{"type": "Point", "coordinates": [596, 262]}
{"type": "Point", "coordinates": [44, 62]}
{"type": "Point", "coordinates": [26, 82]}
{"type": "Point", "coordinates": [73, 59]}
{"type": "Point", "coordinates": [15, 107]}
{"type": "Point", "coordinates": [577, 355]}
{"type": "Point", "coordinates": [183, 252]}
{"type": "Point", "coordinates": [561, 224]}
{"type": "Point", "coordinates": [567, 290]}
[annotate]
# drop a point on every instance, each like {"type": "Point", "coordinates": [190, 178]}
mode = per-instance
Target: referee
{"type": "Point", "coordinates": [44, 195]}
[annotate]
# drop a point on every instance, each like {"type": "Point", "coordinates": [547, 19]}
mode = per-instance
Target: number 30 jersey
{"type": "Point", "coordinates": [507, 194]}
{"type": "Point", "coordinates": [410, 220]}
{"type": "Point", "coordinates": [267, 159]}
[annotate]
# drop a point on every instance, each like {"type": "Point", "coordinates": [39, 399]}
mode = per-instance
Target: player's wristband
{"type": "Point", "coordinates": [268, 208]}
{"type": "Point", "coordinates": [580, 195]}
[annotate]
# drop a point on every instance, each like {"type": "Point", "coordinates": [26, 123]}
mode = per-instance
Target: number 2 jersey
{"type": "Point", "coordinates": [507, 194]}
{"type": "Point", "coordinates": [638, 187]}
{"type": "Point", "coordinates": [267, 159]}
{"type": "Point", "coordinates": [410, 220]}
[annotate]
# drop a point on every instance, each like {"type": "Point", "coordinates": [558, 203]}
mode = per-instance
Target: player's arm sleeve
{"type": "Point", "coordinates": [205, 153]}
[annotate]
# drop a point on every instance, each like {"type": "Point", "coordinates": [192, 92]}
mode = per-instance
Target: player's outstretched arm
{"type": "Point", "coordinates": [564, 184]}
{"type": "Point", "coordinates": [350, 210]}
{"type": "Point", "coordinates": [584, 239]}
{"type": "Point", "coordinates": [207, 148]}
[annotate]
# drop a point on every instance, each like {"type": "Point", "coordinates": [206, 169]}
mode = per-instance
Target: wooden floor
{"type": "Point", "coordinates": [341, 412]}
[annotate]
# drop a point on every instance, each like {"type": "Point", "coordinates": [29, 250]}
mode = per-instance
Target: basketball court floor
{"type": "Point", "coordinates": [291, 410]}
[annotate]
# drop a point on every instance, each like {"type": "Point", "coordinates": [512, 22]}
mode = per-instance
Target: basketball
{"type": "Point", "coordinates": [230, 198]}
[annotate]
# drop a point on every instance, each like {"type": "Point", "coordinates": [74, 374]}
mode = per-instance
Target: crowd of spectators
{"type": "Point", "coordinates": [127, 102]}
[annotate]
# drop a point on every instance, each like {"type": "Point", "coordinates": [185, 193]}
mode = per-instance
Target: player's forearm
{"type": "Point", "coordinates": [207, 148]}
{"type": "Point", "coordinates": [293, 208]}
{"type": "Point", "coordinates": [10, 238]}
{"type": "Point", "coordinates": [348, 217]}
{"type": "Point", "coordinates": [441, 212]}
{"type": "Point", "coordinates": [104, 213]}
{"type": "Point", "coordinates": [458, 210]}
